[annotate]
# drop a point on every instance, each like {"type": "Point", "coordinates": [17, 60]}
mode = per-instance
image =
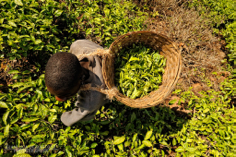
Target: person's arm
{"type": "Point", "coordinates": [87, 104]}
{"type": "Point", "coordinates": [71, 117]}
{"type": "Point", "coordinates": [86, 107]}
{"type": "Point", "coordinates": [88, 101]}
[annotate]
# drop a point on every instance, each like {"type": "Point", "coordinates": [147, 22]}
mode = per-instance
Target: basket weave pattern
{"type": "Point", "coordinates": [156, 41]}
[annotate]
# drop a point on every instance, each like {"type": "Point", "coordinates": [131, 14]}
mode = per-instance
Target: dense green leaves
{"type": "Point", "coordinates": [222, 16]}
{"type": "Point", "coordinates": [18, 2]}
{"type": "Point", "coordinates": [45, 27]}
{"type": "Point", "coordinates": [138, 71]}
{"type": "Point", "coordinates": [148, 135]}
{"type": "Point", "coordinates": [209, 122]}
{"type": "Point", "coordinates": [31, 119]}
{"type": "Point", "coordinates": [118, 140]}
{"type": "Point", "coordinates": [3, 104]}
{"type": "Point", "coordinates": [21, 153]}
{"type": "Point", "coordinates": [32, 115]}
{"type": "Point", "coordinates": [140, 131]}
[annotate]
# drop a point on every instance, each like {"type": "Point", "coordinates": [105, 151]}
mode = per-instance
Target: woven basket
{"type": "Point", "coordinates": [155, 41]}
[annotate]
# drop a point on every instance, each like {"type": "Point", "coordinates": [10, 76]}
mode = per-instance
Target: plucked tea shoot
{"type": "Point", "coordinates": [138, 71]}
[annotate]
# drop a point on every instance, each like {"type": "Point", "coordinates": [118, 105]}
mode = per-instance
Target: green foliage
{"type": "Point", "coordinates": [30, 27]}
{"type": "Point", "coordinates": [211, 130]}
{"type": "Point", "coordinates": [32, 119]}
{"type": "Point", "coordinates": [229, 34]}
{"type": "Point", "coordinates": [41, 28]}
{"type": "Point", "coordinates": [110, 18]}
{"type": "Point", "coordinates": [221, 11]}
{"type": "Point", "coordinates": [32, 116]}
{"type": "Point", "coordinates": [21, 153]}
{"type": "Point", "coordinates": [222, 15]}
{"type": "Point", "coordinates": [138, 71]}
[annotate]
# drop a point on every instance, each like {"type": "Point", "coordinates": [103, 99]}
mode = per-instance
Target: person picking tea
{"type": "Point", "coordinates": [64, 75]}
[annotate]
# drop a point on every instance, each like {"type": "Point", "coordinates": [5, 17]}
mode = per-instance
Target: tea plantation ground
{"type": "Point", "coordinates": [201, 124]}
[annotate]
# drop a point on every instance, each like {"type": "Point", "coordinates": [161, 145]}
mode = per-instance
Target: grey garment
{"type": "Point", "coordinates": [88, 102]}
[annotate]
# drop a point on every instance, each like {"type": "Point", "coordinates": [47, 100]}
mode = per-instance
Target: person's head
{"type": "Point", "coordinates": [63, 75]}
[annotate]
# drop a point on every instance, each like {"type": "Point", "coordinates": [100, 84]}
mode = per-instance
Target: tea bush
{"type": "Point", "coordinates": [42, 28]}
{"type": "Point", "coordinates": [222, 15]}
{"type": "Point", "coordinates": [138, 71]}
{"type": "Point", "coordinates": [32, 122]}
{"type": "Point", "coordinates": [30, 27]}
{"type": "Point", "coordinates": [31, 118]}
{"type": "Point", "coordinates": [211, 131]}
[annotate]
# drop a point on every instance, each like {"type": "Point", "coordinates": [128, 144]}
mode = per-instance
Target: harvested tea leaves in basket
{"type": "Point", "coordinates": [138, 71]}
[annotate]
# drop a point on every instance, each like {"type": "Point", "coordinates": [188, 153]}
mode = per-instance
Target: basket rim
{"type": "Point", "coordinates": [120, 96]}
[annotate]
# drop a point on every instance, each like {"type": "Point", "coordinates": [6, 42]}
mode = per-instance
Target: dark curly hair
{"type": "Point", "coordinates": [63, 71]}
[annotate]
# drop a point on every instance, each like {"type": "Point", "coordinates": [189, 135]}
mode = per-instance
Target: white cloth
{"type": "Point", "coordinates": [88, 101]}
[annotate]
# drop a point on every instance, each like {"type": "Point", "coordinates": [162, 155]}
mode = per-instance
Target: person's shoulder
{"type": "Point", "coordinates": [83, 46]}
{"type": "Point", "coordinates": [85, 43]}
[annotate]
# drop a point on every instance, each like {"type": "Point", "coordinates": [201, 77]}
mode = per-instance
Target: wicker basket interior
{"type": "Point", "coordinates": [153, 40]}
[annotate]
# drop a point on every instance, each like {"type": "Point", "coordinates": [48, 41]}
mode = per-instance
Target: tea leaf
{"type": "Point", "coordinates": [93, 145]}
{"type": "Point", "coordinates": [137, 69]}
{"type": "Point", "coordinates": [58, 13]}
{"type": "Point", "coordinates": [18, 2]}
{"type": "Point", "coordinates": [29, 119]}
{"type": "Point", "coordinates": [52, 118]}
{"type": "Point", "coordinates": [148, 135]}
{"type": "Point", "coordinates": [12, 23]}
{"type": "Point", "coordinates": [133, 117]}
{"type": "Point", "coordinates": [119, 140]}
{"type": "Point", "coordinates": [38, 41]}
{"type": "Point", "coordinates": [18, 84]}
{"type": "Point", "coordinates": [6, 130]}
{"type": "Point", "coordinates": [147, 143]}
{"type": "Point", "coordinates": [5, 116]}
{"type": "Point", "coordinates": [35, 126]}
{"type": "Point", "coordinates": [3, 104]}
{"type": "Point", "coordinates": [13, 72]}
{"type": "Point", "coordinates": [179, 149]}
{"type": "Point", "coordinates": [69, 154]}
